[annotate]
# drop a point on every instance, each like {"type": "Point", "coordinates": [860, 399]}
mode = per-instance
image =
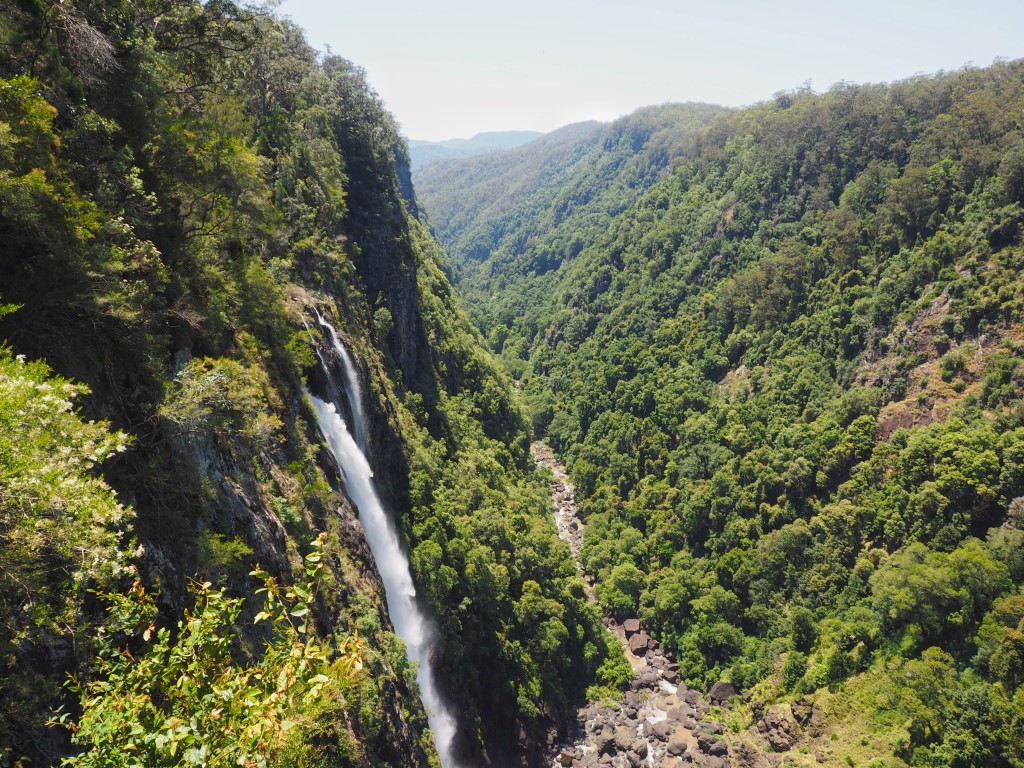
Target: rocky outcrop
{"type": "Point", "coordinates": [779, 729]}
{"type": "Point", "coordinates": [721, 692]}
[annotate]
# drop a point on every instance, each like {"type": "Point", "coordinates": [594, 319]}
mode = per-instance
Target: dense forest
{"type": "Point", "coordinates": [183, 186]}
{"type": "Point", "coordinates": [780, 351]}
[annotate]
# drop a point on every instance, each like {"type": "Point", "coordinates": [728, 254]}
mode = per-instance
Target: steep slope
{"type": "Point", "coordinates": [182, 187]}
{"type": "Point", "coordinates": [786, 381]}
{"type": "Point", "coordinates": [571, 181]}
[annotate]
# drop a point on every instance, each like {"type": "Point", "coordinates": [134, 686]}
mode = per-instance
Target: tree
{"type": "Point", "coordinates": [181, 699]}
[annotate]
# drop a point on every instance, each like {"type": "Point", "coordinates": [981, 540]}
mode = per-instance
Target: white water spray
{"type": "Point", "coordinates": [410, 623]}
{"type": "Point", "coordinates": [350, 383]}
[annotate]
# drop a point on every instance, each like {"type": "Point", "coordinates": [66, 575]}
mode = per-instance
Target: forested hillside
{"type": "Point", "coordinates": [784, 369]}
{"type": "Point", "coordinates": [571, 181]}
{"type": "Point", "coordinates": [183, 186]}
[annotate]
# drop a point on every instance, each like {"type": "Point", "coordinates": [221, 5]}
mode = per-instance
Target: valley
{"type": "Point", "coordinates": [691, 438]}
{"type": "Point", "coordinates": [771, 368]}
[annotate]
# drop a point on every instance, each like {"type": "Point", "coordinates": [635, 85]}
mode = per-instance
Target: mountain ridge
{"type": "Point", "coordinates": [423, 152]}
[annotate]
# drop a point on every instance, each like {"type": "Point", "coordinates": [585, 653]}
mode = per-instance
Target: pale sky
{"type": "Point", "coordinates": [453, 68]}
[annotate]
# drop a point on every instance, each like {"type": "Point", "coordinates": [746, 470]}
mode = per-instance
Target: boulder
{"type": "Point", "coordinates": [647, 678]}
{"type": "Point", "coordinates": [676, 747]}
{"type": "Point", "coordinates": [638, 643]}
{"type": "Point", "coordinates": [678, 714]}
{"type": "Point", "coordinates": [631, 627]}
{"type": "Point", "coordinates": [721, 692]}
{"type": "Point", "coordinates": [712, 745]}
{"type": "Point", "coordinates": [624, 738]}
{"type": "Point", "coordinates": [803, 710]}
{"type": "Point", "coordinates": [712, 727]}
{"type": "Point", "coordinates": [639, 747]}
{"type": "Point", "coordinates": [661, 729]}
{"type": "Point", "coordinates": [567, 758]}
{"type": "Point", "coordinates": [604, 741]}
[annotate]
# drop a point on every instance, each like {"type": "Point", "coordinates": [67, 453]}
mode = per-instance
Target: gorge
{"type": "Point", "coordinates": [776, 350]}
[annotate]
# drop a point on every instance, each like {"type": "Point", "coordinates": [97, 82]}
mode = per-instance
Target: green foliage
{"type": "Point", "coordinates": [182, 699]}
{"type": "Point", "coordinates": [784, 377]}
{"type": "Point", "coordinates": [180, 183]}
{"type": "Point", "coordinates": [793, 670]}
{"type": "Point", "coordinates": [62, 532]}
{"type": "Point", "coordinates": [220, 396]}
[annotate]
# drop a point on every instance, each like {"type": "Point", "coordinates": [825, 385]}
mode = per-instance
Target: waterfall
{"type": "Point", "coordinates": [409, 622]}
{"type": "Point", "coordinates": [350, 382]}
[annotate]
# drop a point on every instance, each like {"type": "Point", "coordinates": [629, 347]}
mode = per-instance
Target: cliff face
{"type": "Point", "coordinates": [177, 202]}
{"type": "Point", "coordinates": [160, 248]}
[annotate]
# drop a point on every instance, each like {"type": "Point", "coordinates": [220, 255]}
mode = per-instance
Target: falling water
{"type": "Point", "coordinates": [353, 392]}
{"type": "Point", "coordinates": [410, 624]}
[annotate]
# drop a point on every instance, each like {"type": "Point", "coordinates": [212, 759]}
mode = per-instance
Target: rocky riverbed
{"type": "Point", "coordinates": [659, 722]}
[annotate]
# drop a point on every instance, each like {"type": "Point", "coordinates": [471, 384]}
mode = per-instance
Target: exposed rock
{"type": "Point", "coordinates": [803, 710]}
{"type": "Point", "coordinates": [676, 747]}
{"type": "Point", "coordinates": [721, 692]}
{"type": "Point", "coordinates": [779, 730]}
{"type": "Point", "coordinates": [677, 713]}
{"type": "Point", "coordinates": [712, 745]}
{"type": "Point", "coordinates": [624, 738]}
{"type": "Point", "coordinates": [631, 627]}
{"type": "Point", "coordinates": [647, 678]}
{"type": "Point", "coordinates": [744, 755]}
{"type": "Point", "coordinates": [638, 642]}
{"type": "Point", "coordinates": [604, 741]}
{"type": "Point", "coordinates": [567, 758]}
{"type": "Point", "coordinates": [661, 729]}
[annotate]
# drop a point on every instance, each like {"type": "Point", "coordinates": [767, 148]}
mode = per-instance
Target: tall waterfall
{"type": "Point", "coordinates": [410, 623]}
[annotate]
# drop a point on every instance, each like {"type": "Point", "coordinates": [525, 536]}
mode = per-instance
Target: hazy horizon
{"type": "Point", "coordinates": [454, 68]}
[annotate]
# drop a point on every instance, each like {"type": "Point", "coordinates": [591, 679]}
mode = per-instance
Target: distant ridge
{"type": "Point", "coordinates": [422, 153]}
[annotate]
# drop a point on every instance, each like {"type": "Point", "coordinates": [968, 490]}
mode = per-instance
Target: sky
{"type": "Point", "coordinates": [453, 68]}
